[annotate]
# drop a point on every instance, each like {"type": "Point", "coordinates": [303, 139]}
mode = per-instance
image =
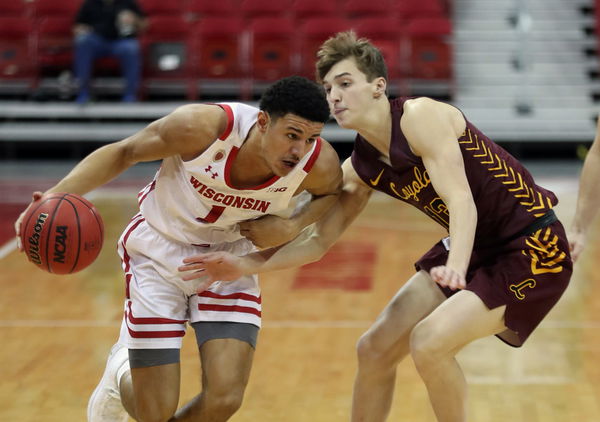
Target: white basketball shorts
{"type": "Point", "coordinates": [159, 304]}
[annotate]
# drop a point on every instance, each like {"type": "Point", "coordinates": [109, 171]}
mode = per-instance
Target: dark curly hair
{"type": "Point", "coordinates": [296, 95]}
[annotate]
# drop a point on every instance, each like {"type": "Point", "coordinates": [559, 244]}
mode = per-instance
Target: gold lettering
{"type": "Point", "coordinates": [413, 189]}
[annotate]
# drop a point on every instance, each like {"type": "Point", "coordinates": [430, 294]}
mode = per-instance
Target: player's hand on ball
{"type": "Point", "coordinates": [210, 267]}
{"type": "Point", "coordinates": [35, 197]}
{"type": "Point", "coordinates": [448, 277]}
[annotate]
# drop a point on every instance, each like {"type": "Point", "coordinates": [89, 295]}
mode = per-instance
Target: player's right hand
{"type": "Point", "coordinates": [576, 244]}
{"type": "Point", "coordinates": [35, 197]}
{"type": "Point", "coordinates": [210, 267]}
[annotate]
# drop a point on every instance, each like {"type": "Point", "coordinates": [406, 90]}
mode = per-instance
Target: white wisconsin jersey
{"type": "Point", "coordinates": [194, 201]}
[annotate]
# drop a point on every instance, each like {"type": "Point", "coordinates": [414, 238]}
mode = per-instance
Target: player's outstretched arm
{"type": "Point", "coordinates": [588, 199]}
{"type": "Point", "coordinates": [323, 182]}
{"type": "Point", "coordinates": [309, 246]}
{"type": "Point", "coordinates": [187, 131]}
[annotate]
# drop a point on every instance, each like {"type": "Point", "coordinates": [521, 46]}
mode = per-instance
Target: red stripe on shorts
{"type": "Point", "coordinates": [141, 321]}
{"type": "Point", "coordinates": [244, 296]}
{"type": "Point", "coordinates": [228, 308]}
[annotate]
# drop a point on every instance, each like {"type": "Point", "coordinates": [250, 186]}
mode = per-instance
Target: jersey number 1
{"type": "Point", "coordinates": [213, 215]}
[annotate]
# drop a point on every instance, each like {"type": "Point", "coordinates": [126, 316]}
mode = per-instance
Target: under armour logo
{"type": "Point", "coordinates": [209, 170]}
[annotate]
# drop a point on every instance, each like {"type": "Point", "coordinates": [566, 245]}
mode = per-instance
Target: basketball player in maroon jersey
{"type": "Point", "coordinates": [588, 199]}
{"type": "Point", "coordinates": [505, 267]}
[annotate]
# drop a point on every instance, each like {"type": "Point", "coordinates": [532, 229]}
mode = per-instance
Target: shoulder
{"type": "Point", "coordinates": [426, 120]}
{"type": "Point", "coordinates": [327, 158]}
{"type": "Point", "coordinates": [195, 120]}
{"type": "Point", "coordinates": [421, 108]}
{"type": "Point", "coordinates": [325, 172]}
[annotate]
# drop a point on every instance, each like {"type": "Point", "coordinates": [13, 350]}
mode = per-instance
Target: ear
{"type": "Point", "coordinates": [380, 87]}
{"type": "Point", "coordinates": [262, 121]}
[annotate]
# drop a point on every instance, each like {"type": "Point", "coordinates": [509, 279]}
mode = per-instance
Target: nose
{"type": "Point", "coordinates": [333, 96]}
{"type": "Point", "coordinates": [297, 148]}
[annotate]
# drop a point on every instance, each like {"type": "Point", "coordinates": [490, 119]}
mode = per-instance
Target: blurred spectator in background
{"type": "Point", "coordinates": [108, 28]}
{"type": "Point", "coordinates": [588, 200]}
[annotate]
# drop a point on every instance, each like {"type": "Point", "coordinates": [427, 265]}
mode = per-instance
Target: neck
{"type": "Point", "coordinates": [249, 168]}
{"type": "Point", "coordinates": [376, 126]}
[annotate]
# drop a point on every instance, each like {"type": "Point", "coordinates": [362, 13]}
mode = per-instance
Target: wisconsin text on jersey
{"type": "Point", "coordinates": [230, 200]}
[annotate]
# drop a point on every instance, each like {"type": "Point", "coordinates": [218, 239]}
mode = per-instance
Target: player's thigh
{"type": "Point", "coordinates": [156, 390]}
{"type": "Point", "coordinates": [390, 334]}
{"type": "Point", "coordinates": [226, 365]}
{"type": "Point", "coordinates": [457, 321]}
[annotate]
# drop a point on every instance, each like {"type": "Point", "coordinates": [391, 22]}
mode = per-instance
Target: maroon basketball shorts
{"type": "Point", "coordinates": [528, 274]}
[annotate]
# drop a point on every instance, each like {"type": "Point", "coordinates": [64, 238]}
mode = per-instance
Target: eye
{"type": "Point", "coordinates": [292, 136]}
{"type": "Point", "coordinates": [311, 140]}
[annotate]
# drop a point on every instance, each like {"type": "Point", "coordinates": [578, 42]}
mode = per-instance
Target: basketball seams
{"type": "Point", "coordinates": [51, 224]}
{"type": "Point", "coordinates": [67, 198]}
{"type": "Point", "coordinates": [95, 214]}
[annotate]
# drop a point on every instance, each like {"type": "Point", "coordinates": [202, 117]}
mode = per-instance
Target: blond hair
{"type": "Point", "coordinates": [343, 45]}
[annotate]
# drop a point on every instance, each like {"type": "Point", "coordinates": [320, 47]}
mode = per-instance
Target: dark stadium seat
{"type": "Point", "coordinates": [59, 8]}
{"type": "Point", "coordinates": [258, 8]}
{"type": "Point", "coordinates": [12, 8]}
{"type": "Point", "coordinates": [199, 9]}
{"type": "Point", "coordinates": [367, 8]}
{"type": "Point", "coordinates": [312, 34]}
{"type": "Point", "coordinates": [166, 44]}
{"type": "Point", "coordinates": [54, 41]}
{"type": "Point", "coordinates": [303, 9]}
{"type": "Point", "coordinates": [408, 9]}
{"type": "Point", "coordinates": [271, 48]}
{"type": "Point", "coordinates": [429, 48]}
{"type": "Point", "coordinates": [162, 7]}
{"type": "Point", "coordinates": [385, 34]}
{"type": "Point", "coordinates": [219, 52]}
{"type": "Point", "coordinates": [18, 62]}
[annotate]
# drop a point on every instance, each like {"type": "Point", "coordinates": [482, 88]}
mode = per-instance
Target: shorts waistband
{"type": "Point", "coordinates": [543, 221]}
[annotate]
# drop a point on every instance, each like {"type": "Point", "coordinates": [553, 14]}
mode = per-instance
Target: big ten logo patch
{"type": "Point", "coordinates": [519, 289]}
{"type": "Point", "coordinates": [280, 189]}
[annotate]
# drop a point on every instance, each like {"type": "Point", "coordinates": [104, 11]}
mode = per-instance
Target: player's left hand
{"type": "Point", "coordinates": [269, 231]}
{"type": "Point", "coordinates": [448, 277]}
{"type": "Point", "coordinates": [34, 197]}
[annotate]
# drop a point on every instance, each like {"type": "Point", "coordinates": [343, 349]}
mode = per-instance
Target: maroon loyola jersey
{"type": "Point", "coordinates": [505, 194]}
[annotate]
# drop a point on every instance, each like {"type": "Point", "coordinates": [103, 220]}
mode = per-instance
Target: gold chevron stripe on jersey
{"type": "Point", "coordinates": [533, 200]}
{"type": "Point", "coordinates": [544, 253]}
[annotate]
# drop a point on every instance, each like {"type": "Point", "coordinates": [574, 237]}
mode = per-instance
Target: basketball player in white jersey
{"type": "Point", "coordinates": [221, 164]}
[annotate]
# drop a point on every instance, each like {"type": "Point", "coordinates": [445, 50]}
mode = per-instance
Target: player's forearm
{"type": "Point", "coordinates": [311, 212]}
{"type": "Point", "coordinates": [588, 200]}
{"type": "Point", "coordinates": [98, 168]}
{"type": "Point", "coordinates": [307, 247]}
{"type": "Point", "coordinates": [463, 222]}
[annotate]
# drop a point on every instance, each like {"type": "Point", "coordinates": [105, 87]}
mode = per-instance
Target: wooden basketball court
{"type": "Point", "coordinates": [56, 332]}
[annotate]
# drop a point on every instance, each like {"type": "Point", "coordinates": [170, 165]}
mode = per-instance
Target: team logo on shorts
{"type": "Point", "coordinates": [518, 288]}
{"type": "Point", "coordinates": [219, 155]}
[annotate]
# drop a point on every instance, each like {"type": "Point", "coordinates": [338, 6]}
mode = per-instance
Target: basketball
{"type": "Point", "coordinates": [62, 233]}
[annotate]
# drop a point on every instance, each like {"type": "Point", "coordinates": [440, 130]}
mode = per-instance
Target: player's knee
{"type": "Point", "coordinates": [224, 403]}
{"type": "Point", "coordinates": [426, 348]}
{"type": "Point", "coordinates": [155, 414]}
{"type": "Point", "coordinates": [367, 351]}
